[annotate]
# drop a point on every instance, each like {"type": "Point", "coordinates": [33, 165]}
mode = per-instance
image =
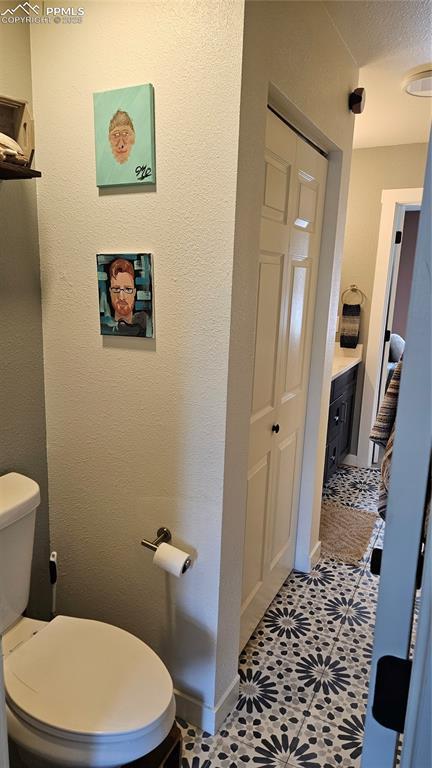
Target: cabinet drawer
{"type": "Point", "coordinates": [342, 382]}
{"type": "Point", "coordinates": [336, 417]}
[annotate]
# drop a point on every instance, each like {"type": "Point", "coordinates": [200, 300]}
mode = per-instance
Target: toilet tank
{"type": "Point", "coordinates": [19, 499]}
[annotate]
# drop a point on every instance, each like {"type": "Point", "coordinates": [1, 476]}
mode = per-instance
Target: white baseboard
{"type": "Point", "coordinates": [201, 715]}
{"type": "Point", "coordinates": [315, 555]}
{"type": "Point", "coordinates": [308, 563]}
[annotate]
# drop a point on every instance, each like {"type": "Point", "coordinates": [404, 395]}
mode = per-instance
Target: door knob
{"type": "Point", "coordinates": [275, 428]}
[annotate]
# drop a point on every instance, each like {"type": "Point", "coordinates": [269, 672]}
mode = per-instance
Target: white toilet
{"type": "Point", "coordinates": [78, 692]}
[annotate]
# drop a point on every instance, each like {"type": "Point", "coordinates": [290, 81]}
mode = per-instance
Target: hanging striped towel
{"type": "Point", "coordinates": [386, 415]}
{"type": "Point", "coordinates": [383, 434]}
{"type": "Point", "coordinates": [384, 483]}
{"type": "Point", "coordinates": [350, 325]}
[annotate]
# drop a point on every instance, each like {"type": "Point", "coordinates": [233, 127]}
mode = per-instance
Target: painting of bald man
{"type": "Point", "coordinates": [124, 136]}
{"type": "Point", "coordinates": [125, 283]}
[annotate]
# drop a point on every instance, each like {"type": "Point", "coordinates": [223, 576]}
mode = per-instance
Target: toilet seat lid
{"type": "Point", "coordinates": [88, 678]}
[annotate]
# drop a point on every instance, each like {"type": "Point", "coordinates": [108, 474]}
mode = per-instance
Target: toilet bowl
{"type": "Point", "coordinates": [84, 694]}
{"type": "Point", "coordinates": [79, 693]}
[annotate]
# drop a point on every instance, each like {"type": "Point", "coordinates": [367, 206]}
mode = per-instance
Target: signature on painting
{"type": "Point", "coordinates": [142, 172]}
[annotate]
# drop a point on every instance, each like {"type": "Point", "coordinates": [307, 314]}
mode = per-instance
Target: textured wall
{"type": "Point", "coordinates": [372, 170]}
{"type": "Point", "coordinates": [136, 429]}
{"type": "Point", "coordinates": [22, 422]}
{"type": "Point", "coordinates": [293, 46]}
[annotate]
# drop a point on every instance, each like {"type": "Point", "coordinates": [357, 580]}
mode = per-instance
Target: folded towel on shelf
{"type": "Point", "coordinates": [350, 325]}
{"type": "Point", "coordinates": [11, 151]}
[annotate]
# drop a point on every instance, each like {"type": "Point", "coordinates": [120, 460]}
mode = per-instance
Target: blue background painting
{"type": "Point", "coordinates": [143, 272]}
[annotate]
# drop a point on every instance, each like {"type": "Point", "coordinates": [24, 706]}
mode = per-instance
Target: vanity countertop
{"type": "Point", "coordinates": [345, 358]}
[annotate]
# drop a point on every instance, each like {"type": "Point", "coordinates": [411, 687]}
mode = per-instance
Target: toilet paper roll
{"type": "Point", "coordinates": [171, 559]}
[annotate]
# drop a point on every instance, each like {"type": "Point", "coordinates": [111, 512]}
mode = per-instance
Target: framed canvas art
{"type": "Point", "coordinates": [125, 283]}
{"type": "Point", "coordinates": [124, 136]}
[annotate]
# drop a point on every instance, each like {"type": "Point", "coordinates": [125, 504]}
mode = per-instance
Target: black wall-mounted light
{"type": "Point", "coordinates": [356, 101]}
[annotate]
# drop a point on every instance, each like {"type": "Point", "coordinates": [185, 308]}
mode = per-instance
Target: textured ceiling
{"type": "Point", "coordinates": [384, 28]}
{"type": "Point", "coordinates": [387, 38]}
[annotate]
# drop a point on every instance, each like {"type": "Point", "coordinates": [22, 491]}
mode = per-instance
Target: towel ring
{"type": "Point", "coordinates": [354, 289]}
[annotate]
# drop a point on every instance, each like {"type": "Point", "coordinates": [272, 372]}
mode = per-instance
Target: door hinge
{"type": "Point", "coordinates": [398, 237]}
{"type": "Point", "coordinates": [387, 335]}
{"type": "Point", "coordinates": [391, 692]}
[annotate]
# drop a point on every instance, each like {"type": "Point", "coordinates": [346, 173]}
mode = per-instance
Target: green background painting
{"type": "Point", "coordinates": [127, 154]}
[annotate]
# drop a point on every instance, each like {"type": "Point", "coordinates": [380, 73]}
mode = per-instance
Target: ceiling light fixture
{"type": "Point", "coordinates": [418, 82]}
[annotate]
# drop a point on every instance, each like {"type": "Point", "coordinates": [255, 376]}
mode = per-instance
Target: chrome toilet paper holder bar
{"type": "Point", "coordinates": [163, 535]}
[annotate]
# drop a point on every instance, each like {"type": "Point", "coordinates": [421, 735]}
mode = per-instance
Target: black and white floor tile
{"type": "Point", "coordinates": [304, 674]}
{"type": "Point", "coordinates": [354, 488]}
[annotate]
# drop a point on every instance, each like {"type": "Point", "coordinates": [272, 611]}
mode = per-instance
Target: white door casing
{"type": "Point", "coordinates": [291, 223]}
{"type": "Point", "coordinates": [394, 203]}
{"type": "Point", "coordinates": [400, 211]}
{"type": "Point", "coordinates": [388, 323]}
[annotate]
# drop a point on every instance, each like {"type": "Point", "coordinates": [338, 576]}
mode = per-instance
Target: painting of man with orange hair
{"type": "Point", "coordinates": [125, 294]}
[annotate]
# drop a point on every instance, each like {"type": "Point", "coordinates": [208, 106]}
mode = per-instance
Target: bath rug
{"type": "Point", "coordinates": [345, 532]}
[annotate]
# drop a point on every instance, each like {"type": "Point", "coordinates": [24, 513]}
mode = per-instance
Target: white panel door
{"type": "Point", "coordinates": [291, 221]}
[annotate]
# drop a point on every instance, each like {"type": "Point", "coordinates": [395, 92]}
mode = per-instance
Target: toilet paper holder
{"type": "Point", "coordinates": [163, 536]}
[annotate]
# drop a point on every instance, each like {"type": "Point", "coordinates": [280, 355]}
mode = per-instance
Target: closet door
{"type": "Point", "coordinates": [289, 251]}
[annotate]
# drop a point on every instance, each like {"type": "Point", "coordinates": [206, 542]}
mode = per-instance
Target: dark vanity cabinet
{"type": "Point", "coordinates": [342, 398]}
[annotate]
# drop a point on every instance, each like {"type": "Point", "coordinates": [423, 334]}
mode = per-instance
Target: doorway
{"type": "Point", "coordinates": [393, 343]}
{"type": "Point", "coordinates": [395, 204]}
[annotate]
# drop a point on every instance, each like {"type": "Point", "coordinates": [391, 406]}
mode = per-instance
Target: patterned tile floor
{"type": "Point", "coordinates": [304, 673]}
